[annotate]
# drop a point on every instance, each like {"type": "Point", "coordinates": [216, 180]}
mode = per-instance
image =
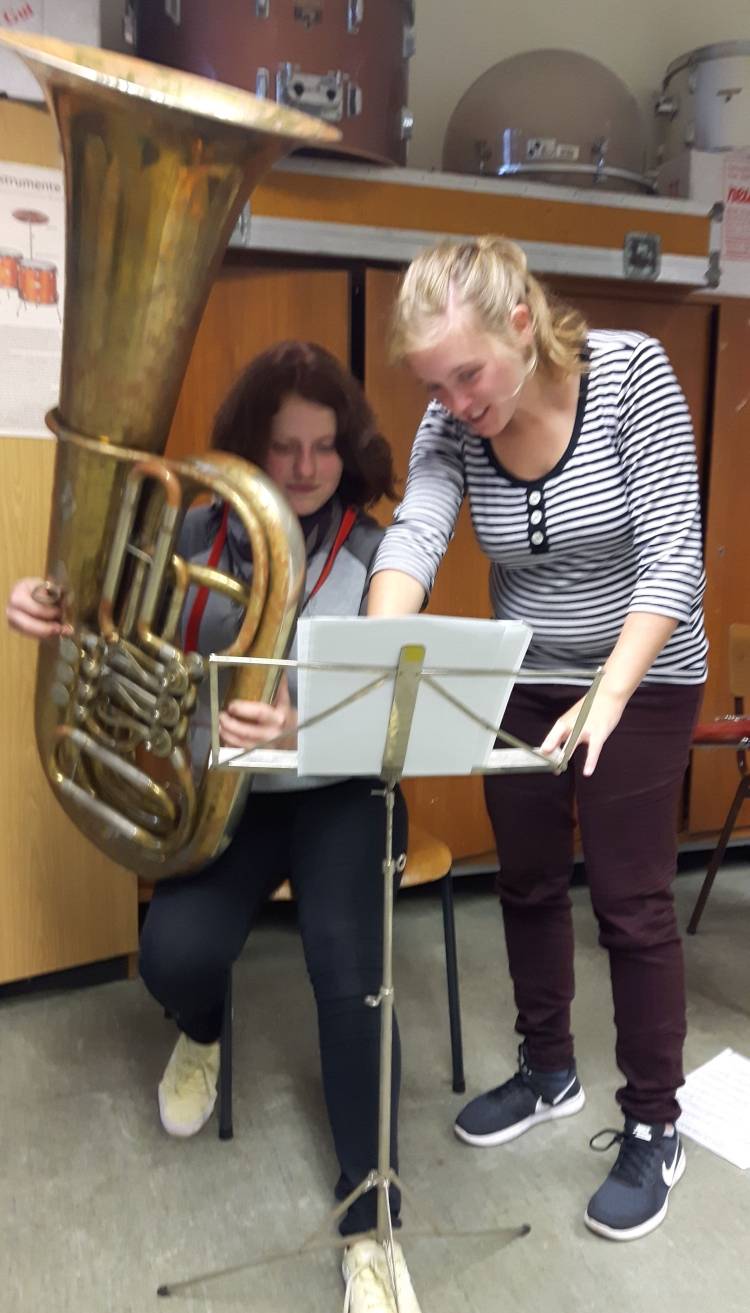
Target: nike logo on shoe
{"type": "Point", "coordinates": [669, 1170]}
{"type": "Point", "coordinates": [642, 1132]}
{"type": "Point", "coordinates": [565, 1092]}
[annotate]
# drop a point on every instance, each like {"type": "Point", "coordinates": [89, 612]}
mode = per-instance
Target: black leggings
{"type": "Point", "coordinates": [329, 842]}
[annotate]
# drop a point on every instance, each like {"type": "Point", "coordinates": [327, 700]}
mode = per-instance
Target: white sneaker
{"type": "Point", "coordinates": [187, 1090]}
{"type": "Point", "coordinates": [368, 1282]}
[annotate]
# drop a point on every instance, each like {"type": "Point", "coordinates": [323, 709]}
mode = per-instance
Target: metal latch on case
{"type": "Point", "coordinates": [355, 12]}
{"type": "Point", "coordinates": [641, 256]}
{"type": "Point", "coordinates": [309, 12]}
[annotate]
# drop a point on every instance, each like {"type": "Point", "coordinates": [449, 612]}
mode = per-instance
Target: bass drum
{"type": "Point", "coordinates": [552, 116]}
{"type": "Point", "coordinates": [705, 100]}
{"type": "Point", "coordinates": [345, 61]}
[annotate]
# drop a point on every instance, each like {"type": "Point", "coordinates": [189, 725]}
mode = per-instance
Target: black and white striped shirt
{"type": "Point", "coordinates": [613, 528]}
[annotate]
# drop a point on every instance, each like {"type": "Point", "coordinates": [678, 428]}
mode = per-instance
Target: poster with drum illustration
{"type": "Point", "coordinates": [32, 246]}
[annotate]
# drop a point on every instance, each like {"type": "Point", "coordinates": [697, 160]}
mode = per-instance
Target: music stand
{"type": "Point", "coordinates": [405, 678]}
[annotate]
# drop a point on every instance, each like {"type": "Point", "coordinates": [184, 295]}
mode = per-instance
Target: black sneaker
{"type": "Point", "coordinates": [635, 1196]}
{"type": "Point", "coordinates": [526, 1100]}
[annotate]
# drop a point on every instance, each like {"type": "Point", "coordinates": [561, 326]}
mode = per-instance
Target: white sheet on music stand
{"type": "Point", "coordinates": [443, 740]}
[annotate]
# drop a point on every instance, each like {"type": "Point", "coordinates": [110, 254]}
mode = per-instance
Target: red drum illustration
{"type": "Point", "coordinates": [37, 282]}
{"type": "Point", "coordinates": [9, 264]}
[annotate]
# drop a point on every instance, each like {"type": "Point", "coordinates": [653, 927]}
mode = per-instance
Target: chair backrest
{"type": "Point", "coordinates": [739, 662]}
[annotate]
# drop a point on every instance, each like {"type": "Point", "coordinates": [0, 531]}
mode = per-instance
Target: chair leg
{"type": "Point", "coordinates": [226, 1129]}
{"type": "Point", "coordinates": [718, 854]}
{"type": "Point", "coordinates": [454, 1001]}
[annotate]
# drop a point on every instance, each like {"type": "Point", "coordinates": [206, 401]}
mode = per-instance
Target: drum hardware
{"type": "Point", "coordinates": [173, 10]}
{"type": "Point", "coordinates": [262, 83]}
{"type": "Point", "coordinates": [407, 124]}
{"type": "Point", "coordinates": [355, 12]}
{"type": "Point", "coordinates": [330, 96]}
{"type": "Point", "coordinates": [262, 8]}
{"type": "Point", "coordinates": [129, 23]}
{"type": "Point", "coordinates": [309, 13]}
{"type": "Point", "coordinates": [599, 155]}
{"type": "Point", "coordinates": [410, 42]}
{"type": "Point", "coordinates": [241, 234]}
{"type": "Point", "coordinates": [354, 100]}
{"type": "Point", "coordinates": [666, 107]}
{"type": "Point", "coordinates": [484, 155]}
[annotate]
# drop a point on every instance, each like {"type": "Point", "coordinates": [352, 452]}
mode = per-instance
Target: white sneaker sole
{"type": "Point", "coordinates": [550, 1114]}
{"type": "Point", "coordinates": [183, 1130]}
{"type": "Point", "coordinates": [635, 1232]}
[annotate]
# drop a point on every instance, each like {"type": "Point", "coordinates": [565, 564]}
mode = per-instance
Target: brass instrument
{"type": "Point", "coordinates": [158, 166]}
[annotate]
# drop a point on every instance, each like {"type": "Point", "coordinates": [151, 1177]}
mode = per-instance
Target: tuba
{"type": "Point", "coordinates": [158, 166]}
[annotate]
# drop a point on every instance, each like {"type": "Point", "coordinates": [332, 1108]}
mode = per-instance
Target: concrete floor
{"type": "Point", "coordinates": [98, 1206]}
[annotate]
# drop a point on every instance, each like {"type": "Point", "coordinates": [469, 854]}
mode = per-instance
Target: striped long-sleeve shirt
{"type": "Point", "coordinates": [613, 528]}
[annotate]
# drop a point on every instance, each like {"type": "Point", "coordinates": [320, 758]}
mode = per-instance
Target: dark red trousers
{"type": "Point", "coordinates": [627, 811]}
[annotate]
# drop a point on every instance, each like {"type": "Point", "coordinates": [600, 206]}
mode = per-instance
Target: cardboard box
{"type": "Point", "coordinates": [721, 178]}
{"type": "Point", "coordinates": [71, 20]}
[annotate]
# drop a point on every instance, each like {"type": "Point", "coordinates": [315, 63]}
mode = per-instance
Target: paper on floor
{"type": "Point", "coordinates": [715, 1103]}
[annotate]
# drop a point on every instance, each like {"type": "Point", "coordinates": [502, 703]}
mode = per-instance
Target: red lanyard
{"type": "Point", "coordinates": [345, 528]}
{"type": "Point", "coordinates": [192, 628]}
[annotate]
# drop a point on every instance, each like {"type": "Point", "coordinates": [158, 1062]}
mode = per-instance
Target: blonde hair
{"type": "Point", "coordinates": [488, 276]}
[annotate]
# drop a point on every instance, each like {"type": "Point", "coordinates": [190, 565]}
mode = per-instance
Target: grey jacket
{"type": "Point", "coordinates": [343, 593]}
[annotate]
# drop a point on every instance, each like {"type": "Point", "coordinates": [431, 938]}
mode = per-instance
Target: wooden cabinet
{"type": "Point", "coordinates": [62, 903]}
{"type": "Point", "coordinates": [727, 534]}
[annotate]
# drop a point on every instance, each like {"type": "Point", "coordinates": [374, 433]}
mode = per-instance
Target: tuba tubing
{"type": "Point", "coordinates": [158, 166]}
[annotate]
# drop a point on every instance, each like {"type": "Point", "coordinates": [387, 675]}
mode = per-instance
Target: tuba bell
{"type": "Point", "coordinates": [158, 166]}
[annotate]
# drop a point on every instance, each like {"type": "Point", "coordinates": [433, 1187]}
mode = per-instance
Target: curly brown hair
{"type": "Point", "coordinates": [304, 369]}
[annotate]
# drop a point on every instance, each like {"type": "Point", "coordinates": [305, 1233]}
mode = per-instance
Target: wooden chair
{"type": "Point", "coordinates": [728, 732]}
{"type": "Point", "coordinates": [428, 861]}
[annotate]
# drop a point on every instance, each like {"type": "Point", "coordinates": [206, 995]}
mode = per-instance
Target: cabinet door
{"type": "Point", "coordinates": [453, 809]}
{"type": "Point", "coordinates": [62, 902]}
{"type": "Point", "coordinates": [713, 776]}
{"type": "Point", "coordinates": [248, 310]}
{"type": "Point", "coordinates": [683, 328]}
